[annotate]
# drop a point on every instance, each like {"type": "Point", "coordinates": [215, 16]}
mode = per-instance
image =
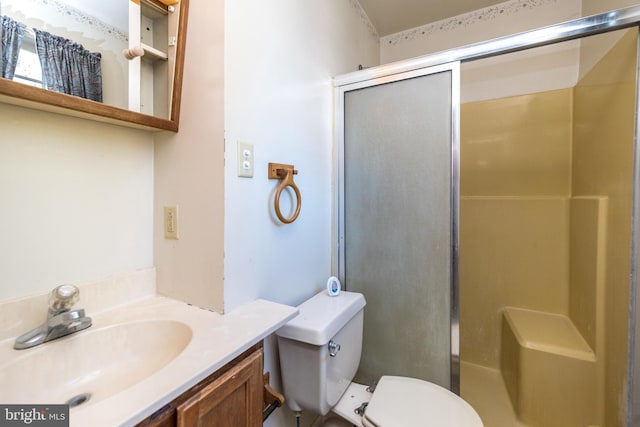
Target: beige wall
{"type": "Point", "coordinates": [189, 170]}
{"type": "Point", "coordinates": [591, 7]}
{"type": "Point", "coordinates": [513, 252]}
{"type": "Point", "coordinates": [76, 200]}
{"type": "Point", "coordinates": [587, 268]}
{"type": "Point", "coordinates": [603, 160]}
{"type": "Point", "coordinates": [517, 146]}
{"type": "Point", "coordinates": [515, 179]}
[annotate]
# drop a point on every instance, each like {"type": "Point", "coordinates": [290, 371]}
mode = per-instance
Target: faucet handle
{"type": "Point", "coordinates": [63, 297]}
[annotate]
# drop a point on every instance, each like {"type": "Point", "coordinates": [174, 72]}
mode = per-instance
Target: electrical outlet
{"type": "Point", "coordinates": [171, 222]}
{"type": "Point", "coordinates": [245, 159]}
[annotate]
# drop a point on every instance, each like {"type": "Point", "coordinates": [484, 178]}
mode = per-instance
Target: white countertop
{"type": "Point", "coordinates": [216, 339]}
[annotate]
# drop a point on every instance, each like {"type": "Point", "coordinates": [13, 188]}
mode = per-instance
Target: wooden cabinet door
{"type": "Point", "coordinates": [233, 400]}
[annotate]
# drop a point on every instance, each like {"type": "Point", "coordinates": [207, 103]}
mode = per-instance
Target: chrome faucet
{"type": "Point", "coordinates": [61, 320]}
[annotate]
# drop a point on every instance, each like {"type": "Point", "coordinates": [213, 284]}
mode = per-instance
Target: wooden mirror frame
{"type": "Point", "coordinates": [42, 99]}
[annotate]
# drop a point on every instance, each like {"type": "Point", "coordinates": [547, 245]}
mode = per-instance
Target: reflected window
{"type": "Point", "coordinates": [28, 69]}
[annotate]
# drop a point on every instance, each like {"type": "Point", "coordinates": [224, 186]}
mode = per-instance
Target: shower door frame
{"type": "Point", "coordinates": [571, 30]}
{"type": "Point", "coordinates": [339, 263]}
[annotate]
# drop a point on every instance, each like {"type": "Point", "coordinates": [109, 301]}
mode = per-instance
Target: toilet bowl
{"type": "Point", "coordinates": [320, 352]}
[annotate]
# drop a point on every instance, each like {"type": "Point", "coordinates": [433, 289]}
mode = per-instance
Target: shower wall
{"type": "Point", "coordinates": [515, 179]}
{"type": "Point", "coordinates": [545, 220]}
{"type": "Point", "coordinates": [604, 108]}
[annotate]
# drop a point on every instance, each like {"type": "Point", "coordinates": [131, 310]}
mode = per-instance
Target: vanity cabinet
{"type": "Point", "coordinates": [234, 399]}
{"type": "Point", "coordinates": [230, 397]}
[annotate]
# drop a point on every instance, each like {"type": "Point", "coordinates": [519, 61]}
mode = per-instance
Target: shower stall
{"type": "Point", "coordinates": [546, 191]}
{"type": "Point", "coordinates": [495, 240]}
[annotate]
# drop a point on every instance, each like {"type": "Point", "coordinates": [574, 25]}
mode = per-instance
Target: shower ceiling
{"type": "Point", "coordinates": [392, 16]}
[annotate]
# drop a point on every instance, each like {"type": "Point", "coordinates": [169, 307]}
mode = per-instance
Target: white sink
{"type": "Point", "coordinates": [135, 358]}
{"type": "Point", "coordinates": [95, 363]}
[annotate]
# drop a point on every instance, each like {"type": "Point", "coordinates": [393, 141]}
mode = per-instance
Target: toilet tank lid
{"type": "Point", "coordinates": [322, 316]}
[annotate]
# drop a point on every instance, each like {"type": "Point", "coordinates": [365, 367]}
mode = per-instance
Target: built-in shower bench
{"type": "Point", "coordinates": [548, 368]}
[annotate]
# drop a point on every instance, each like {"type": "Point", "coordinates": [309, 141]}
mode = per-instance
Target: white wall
{"type": "Point", "coordinates": [76, 200]}
{"type": "Point", "coordinates": [279, 60]}
{"type": "Point", "coordinates": [504, 19]}
{"type": "Point", "coordinates": [548, 68]}
{"type": "Point", "coordinates": [532, 71]}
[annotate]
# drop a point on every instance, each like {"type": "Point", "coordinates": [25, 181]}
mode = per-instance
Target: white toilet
{"type": "Point", "coordinates": [319, 355]}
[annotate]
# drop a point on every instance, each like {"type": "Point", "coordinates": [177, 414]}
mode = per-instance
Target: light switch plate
{"type": "Point", "coordinates": [245, 159]}
{"type": "Point", "coordinates": [171, 222]}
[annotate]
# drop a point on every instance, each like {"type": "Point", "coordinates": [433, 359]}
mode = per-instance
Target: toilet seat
{"type": "Point", "coordinates": [408, 402]}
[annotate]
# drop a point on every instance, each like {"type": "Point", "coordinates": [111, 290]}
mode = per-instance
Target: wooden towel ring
{"type": "Point", "coordinates": [285, 173]}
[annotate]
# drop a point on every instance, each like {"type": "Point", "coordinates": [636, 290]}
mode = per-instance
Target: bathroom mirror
{"type": "Point", "coordinates": [142, 91]}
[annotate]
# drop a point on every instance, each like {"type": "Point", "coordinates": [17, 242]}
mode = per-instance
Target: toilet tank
{"type": "Point", "coordinates": [313, 379]}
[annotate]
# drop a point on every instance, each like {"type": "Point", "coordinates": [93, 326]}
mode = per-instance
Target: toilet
{"type": "Point", "coordinates": [319, 355]}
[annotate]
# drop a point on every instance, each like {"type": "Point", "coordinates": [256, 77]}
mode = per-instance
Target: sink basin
{"type": "Point", "coordinates": [95, 363]}
{"type": "Point", "coordinates": [141, 353]}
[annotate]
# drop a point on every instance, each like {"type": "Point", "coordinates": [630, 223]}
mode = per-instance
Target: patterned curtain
{"type": "Point", "coordinates": [11, 33]}
{"type": "Point", "coordinates": [68, 67]}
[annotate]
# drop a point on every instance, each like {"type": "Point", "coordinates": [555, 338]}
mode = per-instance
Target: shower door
{"type": "Point", "coordinates": [396, 210]}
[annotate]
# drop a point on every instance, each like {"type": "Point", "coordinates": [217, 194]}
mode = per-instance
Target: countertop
{"type": "Point", "coordinates": [215, 340]}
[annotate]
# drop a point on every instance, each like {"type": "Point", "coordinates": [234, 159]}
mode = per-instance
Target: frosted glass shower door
{"type": "Point", "coordinates": [397, 213]}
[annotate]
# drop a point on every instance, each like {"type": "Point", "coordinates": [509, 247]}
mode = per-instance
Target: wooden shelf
{"type": "Point", "coordinates": [153, 53]}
